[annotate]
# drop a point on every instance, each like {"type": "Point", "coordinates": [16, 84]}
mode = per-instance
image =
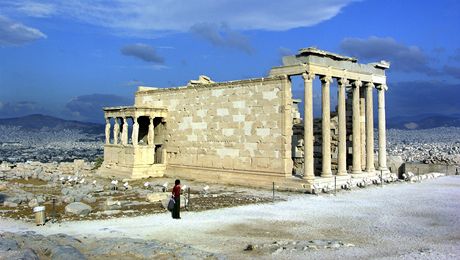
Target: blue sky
{"type": "Point", "coordinates": [70, 58]}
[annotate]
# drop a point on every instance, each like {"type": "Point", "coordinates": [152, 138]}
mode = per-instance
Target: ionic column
{"type": "Point", "coordinates": [151, 135]}
{"type": "Point", "coordinates": [107, 130]}
{"type": "Point", "coordinates": [116, 131]}
{"type": "Point", "coordinates": [356, 168]}
{"type": "Point", "coordinates": [309, 171]}
{"type": "Point", "coordinates": [382, 128]}
{"type": "Point", "coordinates": [135, 134]}
{"type": "Point", "coordinates": [124, 132]}
{"type": "Point", "coordinates": [369, 128]}
{"type": "Point", "coordinates": [342, 156]}
{"type": "Point", "coordinates": [326, 126]}
{"type": "Point", "coordinates": [362, 124]}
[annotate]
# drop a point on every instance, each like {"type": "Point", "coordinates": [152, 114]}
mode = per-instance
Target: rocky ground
{"type": "Point", "coordinates": [30, 245]}
{"type": "Point", "coordinates": [72, 191]}
{"type": "Point", "coordinates": [396, 221]}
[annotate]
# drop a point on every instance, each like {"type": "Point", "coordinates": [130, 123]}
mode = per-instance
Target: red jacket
{"type": "Point", "coordinates": [176, 191]}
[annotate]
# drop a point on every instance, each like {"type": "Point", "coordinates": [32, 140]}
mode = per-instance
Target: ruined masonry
{"type": "Point", "coordinates": [249, 132]}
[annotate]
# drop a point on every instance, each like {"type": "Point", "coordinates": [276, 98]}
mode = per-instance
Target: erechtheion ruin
{"type": "Point", "coordinates": [249, 132]}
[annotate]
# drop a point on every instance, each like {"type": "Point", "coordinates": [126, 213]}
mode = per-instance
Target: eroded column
{"type": "Point", "coordinates": [356, 168]}
{"type": "Point", "coordinates": [369, 128]}
{"type": "Point", "coordinates": [107, 130]}
{"type": "Point", "coordinates": [135, 134]}
{"type": "Point", "coordinates": [342, 156]}
{"type": "Point", "coordinates": [124, 132]}
{"type": "Point", "coordinates": [309, 171]}
{"type": "Point", "coordinates": [326, 126]}
{"type": "Point", "coordinates": [116, 131]}
{"type": "Point", "coordinates": [151, 135]}
{"type": "Point", "coordinates": [382, 128]}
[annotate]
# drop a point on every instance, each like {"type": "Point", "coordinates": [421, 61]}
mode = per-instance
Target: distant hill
{"type": "Point", "coordinates": [423, 121]}
{"type": "Point", "coordinates": [41, 122]}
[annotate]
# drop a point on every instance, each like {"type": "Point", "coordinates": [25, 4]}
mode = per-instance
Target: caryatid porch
{"type": "Point", "coordinates": [359, 80]}
{"type": "Point", "coordinates": [141, 153]}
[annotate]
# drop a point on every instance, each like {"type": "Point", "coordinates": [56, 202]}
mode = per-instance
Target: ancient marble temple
{"type": "Point", "coordinates": [249, 132]}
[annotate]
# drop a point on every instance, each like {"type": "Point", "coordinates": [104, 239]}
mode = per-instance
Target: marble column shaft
{"type": "Point", "coordinates": [135, 133]}
{"type": "Point", "coordinates": [342, 153]}
{"type": "Point", "coordinates": [309, 171]}
{"type": "Point", "coordinates": [369, 128]}
{"type": "Point", "coordinates": [382, 128]}
{"type": "Point", "coordinates": [362, 126]}
{"type": "Point", "coordinates": [107, 130]}
{"type": "Point", "coordinates": [124, 132]}
{"type": "Point", "coordinates": [356, 168]}
{"type": "Point", "coordinates": [326, 126]}
{"type": "Point", "coordinates": [151, 135]}
{"type": "Point", "coordinates": [116, 131]}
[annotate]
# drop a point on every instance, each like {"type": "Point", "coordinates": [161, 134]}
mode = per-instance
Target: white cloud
{"type": "Point", "coordinates": [13, 33]}
{"type": "Point", "coordinates": [160, 16]}
{"type": "Point", "coordinates": [36, 9]}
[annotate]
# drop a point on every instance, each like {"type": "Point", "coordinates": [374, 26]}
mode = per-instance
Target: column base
{"type": "Point", "coordinates": [342, 173]}
{"type": "Point", "coordinates": [326, 175]}
{"type": "Point", "coordinates": [370, 170]}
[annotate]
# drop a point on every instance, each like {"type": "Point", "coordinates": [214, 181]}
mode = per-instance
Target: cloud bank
{"type": "Point", "coordinates": [180, 16]}
{"type": "Point", "coordinates": [222, 36]}
{"type": "Point", "coordinates": [13, 33]}
{"type": "Point", "coordinates": [21, 108]}
{"type": "Point", "coordinates": [403, 58]}
{"type": "Point", "coordinates": [89, 107]}
{"type": "Point", "coordinates": [422, 97]}
{"type": "Point", "coordinates": [142, 51]}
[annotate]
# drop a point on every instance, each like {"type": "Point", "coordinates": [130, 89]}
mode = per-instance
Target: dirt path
{"type": "Point", "coordinates": [418, 220]}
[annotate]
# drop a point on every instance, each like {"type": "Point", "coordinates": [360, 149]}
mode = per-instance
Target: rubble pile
{"type": "Point", "coordinates": [73, 191]}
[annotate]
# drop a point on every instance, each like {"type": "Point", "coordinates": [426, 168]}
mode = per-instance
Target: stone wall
{"type": "Point", "coordinates": [239, 127]}
{"type": "Point", "coordinates": [422, 168]}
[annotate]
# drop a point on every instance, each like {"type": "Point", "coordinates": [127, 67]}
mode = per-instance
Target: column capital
{"type": "Point", "coordinates": [382, 87]}
{"type": "Point", "coordinates": [308, 76]}
{"type": "Point", "coordinates": [326, 79]}
{"type": "Point", "coordinates": [369, 84]}
{"type": "Point", "coordinates": [107, 120]}
{"type": "Point", "coordinates": [343, 82]}
{"type": "Point", "coordinates": [357, 83]}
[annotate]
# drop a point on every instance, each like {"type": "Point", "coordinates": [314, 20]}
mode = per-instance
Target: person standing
{"type": "Point", "coordinates": [176, 196]}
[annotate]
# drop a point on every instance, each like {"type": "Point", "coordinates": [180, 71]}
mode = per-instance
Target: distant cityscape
{"type": "Point", "coordinates": [20, 145]}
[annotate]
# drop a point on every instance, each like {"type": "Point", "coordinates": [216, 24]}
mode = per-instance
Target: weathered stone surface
{"type": "Point", "coordinates": [27, 254]}
{"type": "Point", "coordinates": [10, 204]}
{"type": "Point", "coordinates": [8, 244]}
{"type": "Point", "coordinates": [112, 204]}
{"type": "Point", "coordinates": [157, 196]}
{"type": "Point", "coordinates": [78, 208]}
{"type": "Point", "coordinates": [33, 203]}
{"type": "Point", "coordinates": [66, 253]}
